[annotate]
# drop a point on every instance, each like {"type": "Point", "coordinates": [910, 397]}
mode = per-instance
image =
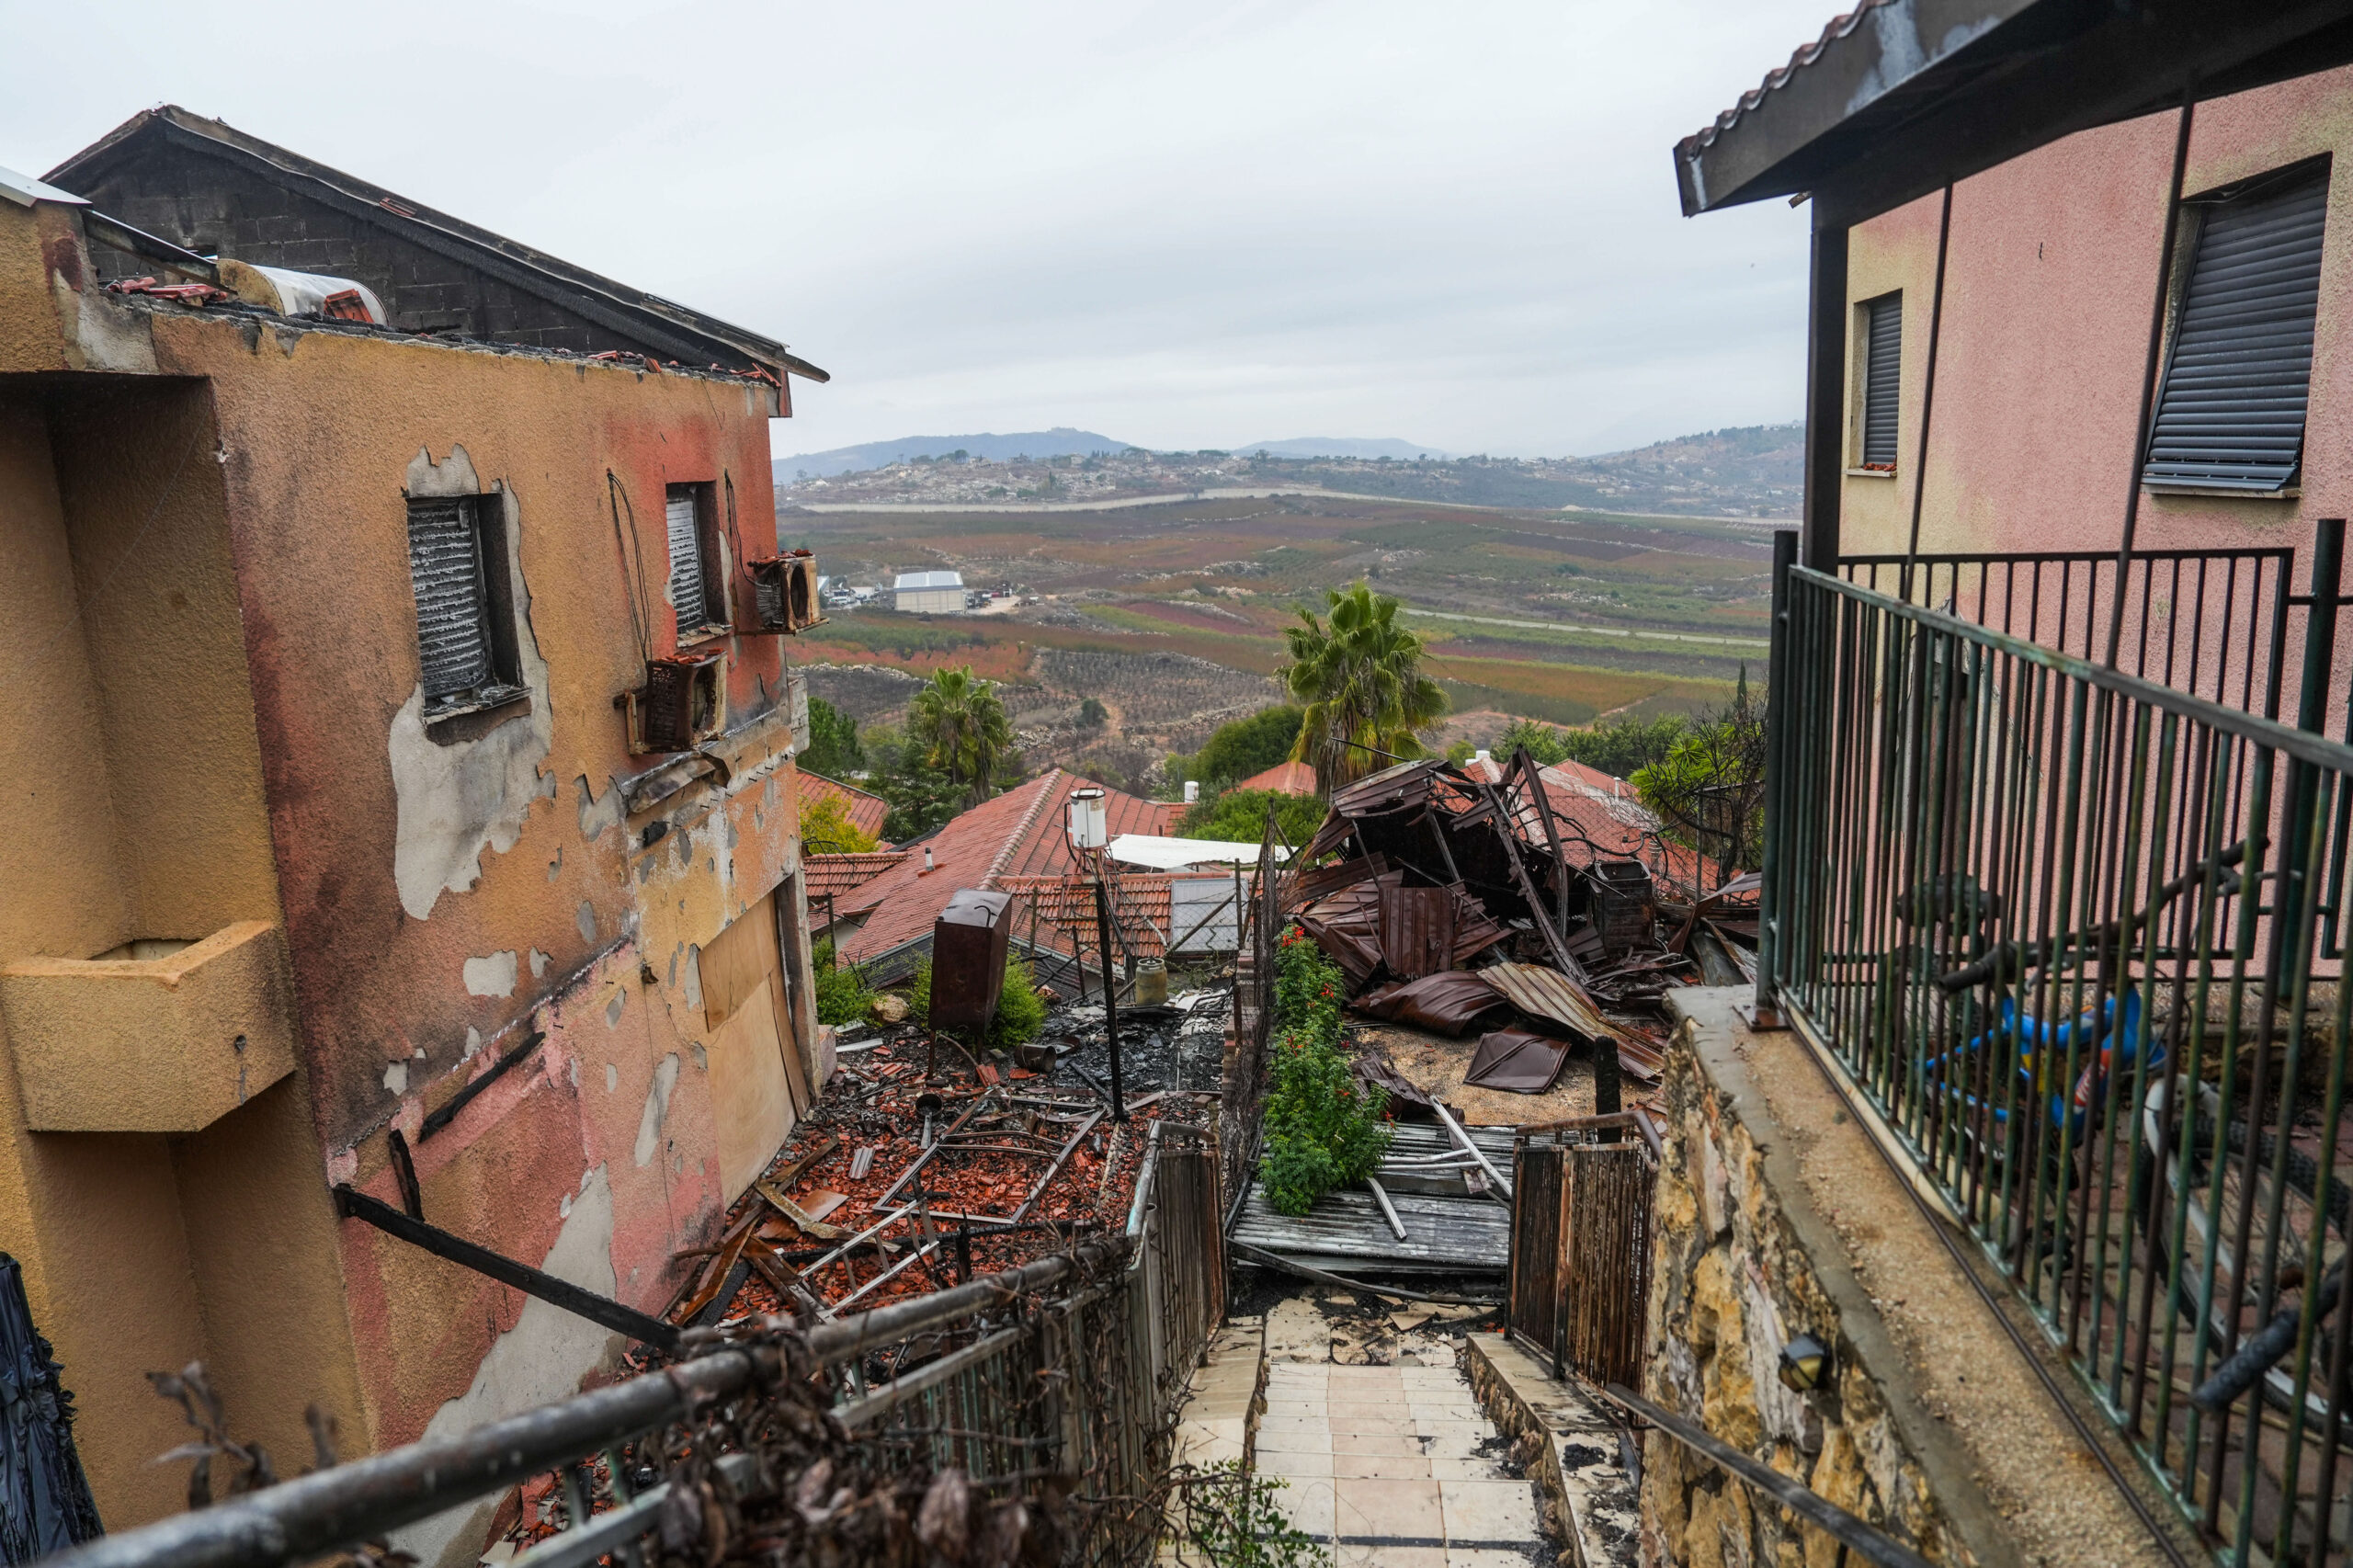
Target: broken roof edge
{"type": "Point", "coordinates": [24, 190]}
{"type": "Point", "coordinates": [648, 309]}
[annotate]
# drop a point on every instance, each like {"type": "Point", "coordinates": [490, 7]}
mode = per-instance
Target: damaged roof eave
{"type": "Point", "coordinates": [680, 332]}
{"type": "Point", "coordinates": [1898, 97]}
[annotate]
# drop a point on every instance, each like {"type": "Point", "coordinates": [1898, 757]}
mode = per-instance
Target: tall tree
{"type": "Point", "coordinates": [1360, 676]}
{"type": "Point", "coordinates": [961, 726]}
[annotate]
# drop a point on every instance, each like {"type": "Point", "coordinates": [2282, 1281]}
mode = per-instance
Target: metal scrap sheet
{"type": "Point", "coordinates": [1449, 1003]}
{"type": "Point", "coordinates": [1516, 1061]}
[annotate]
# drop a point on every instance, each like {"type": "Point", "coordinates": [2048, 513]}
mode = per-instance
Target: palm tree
{"type": "Point", "coordinates": [961, 725]}
{"type": "Point", "coordinates": [1361, 678]}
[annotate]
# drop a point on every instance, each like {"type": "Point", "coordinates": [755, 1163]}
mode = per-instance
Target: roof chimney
{"type": "Point", "coordinates": [926, 860]}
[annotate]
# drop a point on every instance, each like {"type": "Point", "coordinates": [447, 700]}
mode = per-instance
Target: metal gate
{"type": "Point", "coordinates": [1581, 1256]}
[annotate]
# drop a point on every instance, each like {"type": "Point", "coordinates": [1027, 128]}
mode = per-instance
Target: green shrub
{"type": "Point", "coordinates": [1239, 816]}
{"type": "Point", "coordinates": [1324, 1128]}
{"type": "Point", "coordinates": [1020, 1011]}
{"type": "Point", "coordinates": [842, 995]}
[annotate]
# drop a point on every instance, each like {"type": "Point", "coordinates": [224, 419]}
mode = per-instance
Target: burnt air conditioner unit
{"type": "Point", "coordinates": [784, 592]}
{"type": "Point", "coordinates": [682, 704]}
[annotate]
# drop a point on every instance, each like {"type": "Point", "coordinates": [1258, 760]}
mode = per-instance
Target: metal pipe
{"type": "Point", "coordinates": [1110, 1000]}
{"type": "Point", "coordinates": [1927, 395]}
{"type": "Point", "coordinates": [1826, 392]}
{"type": "Point", "coordinates": [1852, 1534]}
{"type": "Point", "coordinates": [1503, 1184]}
{"type": "Point", "coordinates": [312, 1515]}
{"type": "Point", "coordinates": [1388, 1209]}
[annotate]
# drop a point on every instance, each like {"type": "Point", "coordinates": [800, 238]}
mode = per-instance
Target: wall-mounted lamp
{"type": "Point", "coordinates": [1805, 1362]}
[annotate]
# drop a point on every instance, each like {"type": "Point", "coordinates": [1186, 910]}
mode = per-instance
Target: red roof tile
{"type": "Point", "coordinates": [1290, 778]}
{"type": "Point", "coordinates": [843, 874]}
{"type": "Point", "coordinates": [1020, 835]}
{"type": "Point", "coordinates": [865, 811]}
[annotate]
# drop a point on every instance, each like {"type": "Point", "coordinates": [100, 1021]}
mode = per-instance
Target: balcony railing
{"type": "Point", "coordinates": [2071, 931]}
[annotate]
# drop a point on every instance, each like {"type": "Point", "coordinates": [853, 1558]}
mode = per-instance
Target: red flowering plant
{"type": "Point", "coordinates": [1324, 1129]}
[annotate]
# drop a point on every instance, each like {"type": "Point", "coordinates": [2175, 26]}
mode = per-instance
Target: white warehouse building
{"type": "Point", "coordinates": [930, 593]}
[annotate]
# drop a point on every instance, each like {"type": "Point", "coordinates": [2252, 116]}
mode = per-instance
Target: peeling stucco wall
{"type": "Point", "coordinates": [460, 797]}
{"type": "Point", "coordinates": [546, 1356]}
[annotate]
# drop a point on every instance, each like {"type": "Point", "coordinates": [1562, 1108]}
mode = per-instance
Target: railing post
{"type": "Point", "coordinates": [1780, 689]}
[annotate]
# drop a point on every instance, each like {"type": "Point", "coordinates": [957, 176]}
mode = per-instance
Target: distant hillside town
{"type": "Point", "coordinates": [1749, 472]}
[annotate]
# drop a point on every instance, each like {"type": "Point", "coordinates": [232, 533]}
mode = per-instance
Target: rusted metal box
{"type": "Point", "coordinates": [682, 703]}
{"type": "Point", "coordinates": [784, 592]}
{"type": "Point", "coordinates": [969, 944]}
{"type": "Point", "coordinates": [1623, 905]}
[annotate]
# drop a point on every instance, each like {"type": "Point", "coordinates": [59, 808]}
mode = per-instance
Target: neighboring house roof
{"type": "Point", "coordinates": [1289, 777]}
{"type": "Point", "coordinates": [841, 875]}
{"type": "Point", "coordinates": [1020, 834]}
{"type": "Point", "coordinates": [655, 325]}
{"type": "Point", "coordinates": [865, 811]}
{"type": "Point", "coordinates": [1599, 818]}
{"type": "Point", "coordinates": [909, 581]}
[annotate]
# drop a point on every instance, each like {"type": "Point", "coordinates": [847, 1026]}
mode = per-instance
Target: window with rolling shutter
{"type": "Point", "coordinates": [691, 573]}
{"type": "Point", "coordinates": [452, 601]}
{"type": "Point", "coordinates": [2238, 372]}
{"type": "Point", "coordinates": [466, 647]}
{"type": "Point", "coordinates": [1882, 378]}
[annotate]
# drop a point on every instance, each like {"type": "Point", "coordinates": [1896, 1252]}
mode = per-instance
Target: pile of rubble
{"type": "Point", "coordinates": [922, 1166]}
{"type": "Point", "coordinates": [1456, 903]}
{"type": "Point", "coordinates": [1453, 902]}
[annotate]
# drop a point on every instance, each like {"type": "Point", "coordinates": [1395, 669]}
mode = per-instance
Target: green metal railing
{"type": "Point", "coordinates": [2072, 933]}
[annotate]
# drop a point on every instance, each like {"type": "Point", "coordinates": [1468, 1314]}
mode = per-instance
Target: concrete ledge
{"type": "Point", "coordinates": [1567, 1445]}
{"type": "Point", "coordinates": [169, 1043]}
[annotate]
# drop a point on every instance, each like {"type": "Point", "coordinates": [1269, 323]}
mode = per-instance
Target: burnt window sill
{"type": "Point", "coordinates": [690, 635]}
{"type": "Point", "coordinates": [1871, 474]}
{"type": "Point", "coordinates": [473, 714]}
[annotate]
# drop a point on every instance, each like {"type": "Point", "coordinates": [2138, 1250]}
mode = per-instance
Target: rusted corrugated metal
{"type": "Point", "coordinates": [1416, 929]}
{"type": "Point", "coordinates": [1549, 994]}
{"type": "Point", "coordinates": [1450, 1001]}
{"type": "Point", "coordinates": [1516, 1061]}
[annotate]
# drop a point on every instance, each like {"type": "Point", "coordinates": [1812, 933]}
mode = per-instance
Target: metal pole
{"type": "Point", "coordinates": [1826, 392]}
{"type": "Point", "coordinates": [1780, 689]}
{"type": "Point", "coordinates": [1928, 396]}
{"type": "Point", "coordinates": [1111, 998]}
{"type": "Point", "coordinates": [2149, 370]}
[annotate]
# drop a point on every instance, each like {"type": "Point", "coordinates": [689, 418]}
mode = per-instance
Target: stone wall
{"type": "Point", "coordinates": [1733, 1280]}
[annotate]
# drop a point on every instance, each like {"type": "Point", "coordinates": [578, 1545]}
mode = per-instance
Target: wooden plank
{"type": "Point", "coordinates": [751, 1099]}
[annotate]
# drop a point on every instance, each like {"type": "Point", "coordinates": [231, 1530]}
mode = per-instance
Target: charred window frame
{"type": "Point", "coordinates": [698, 586]}
{"type": "Point", "coordinates": [2229, 415]}
{"type": "Point", "coordinates": [468, 657]}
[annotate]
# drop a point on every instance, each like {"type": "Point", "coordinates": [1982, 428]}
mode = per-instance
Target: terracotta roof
{"type": "Point", "coordinates": [1290, 778]}
{"type": "Point", "coordinates": [865, 811]}
{"type": "Point", "coordinates": [1599, 817]}
{"type": "Point", "coordinates": [1837, 27]}
{"type": "Point", "coordinates": [841, 875]}
{"type": "Point", "coordinates": [1018, 834]}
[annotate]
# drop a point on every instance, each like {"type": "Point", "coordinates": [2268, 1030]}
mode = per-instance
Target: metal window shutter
{"type": "Point", "coordinates": [1882, 380]}
{"type": "Point", "coordinates": [445, 568]}
{"type": "Point", "coordinates": [687, 595]}
{"type": "Point", "coordinates": [2232, 413]}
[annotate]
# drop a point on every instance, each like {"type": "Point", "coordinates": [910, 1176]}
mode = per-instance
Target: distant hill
{"type": "Point", "coordinates": [1059, 441]}
{"type": "Point", "coordinates": [1343, 447]}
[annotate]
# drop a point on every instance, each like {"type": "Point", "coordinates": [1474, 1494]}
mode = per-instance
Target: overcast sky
{"type": "Point", "coordinates": [1181, 225]}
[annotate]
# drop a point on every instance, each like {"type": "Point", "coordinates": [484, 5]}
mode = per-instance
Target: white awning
{"type": "Point", "coordinates": [1171, 854]}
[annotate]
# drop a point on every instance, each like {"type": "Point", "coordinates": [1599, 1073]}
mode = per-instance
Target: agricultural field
{"type": "Point", "coordinates": [1172, 616]}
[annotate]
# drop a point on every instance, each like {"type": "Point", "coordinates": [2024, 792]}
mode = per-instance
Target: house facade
{"type": "Point", "coordinates": [406, 779]}
{"type": "Point", "coordinates": [2051, 262]}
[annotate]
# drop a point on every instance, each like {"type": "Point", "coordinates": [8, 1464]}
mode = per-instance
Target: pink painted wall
{"type": "Point", "coordinates": [2052, 273]}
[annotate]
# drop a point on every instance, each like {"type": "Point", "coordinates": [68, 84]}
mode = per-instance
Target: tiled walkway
{"type": "Point", "coordinates": [1384, 1455]}
{"type": "Point", "coordinates": [1396, 1465]}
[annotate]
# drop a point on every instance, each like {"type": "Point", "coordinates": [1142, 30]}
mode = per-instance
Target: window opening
{"type": "Point", "coordinates": [694, 560]}
{"type": "Point", "coordinates": [1883, 377]}
{"type": "Point", "coordinates": [465, 634]}
{"type": "Point", "coordinates": [2238, 376]}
